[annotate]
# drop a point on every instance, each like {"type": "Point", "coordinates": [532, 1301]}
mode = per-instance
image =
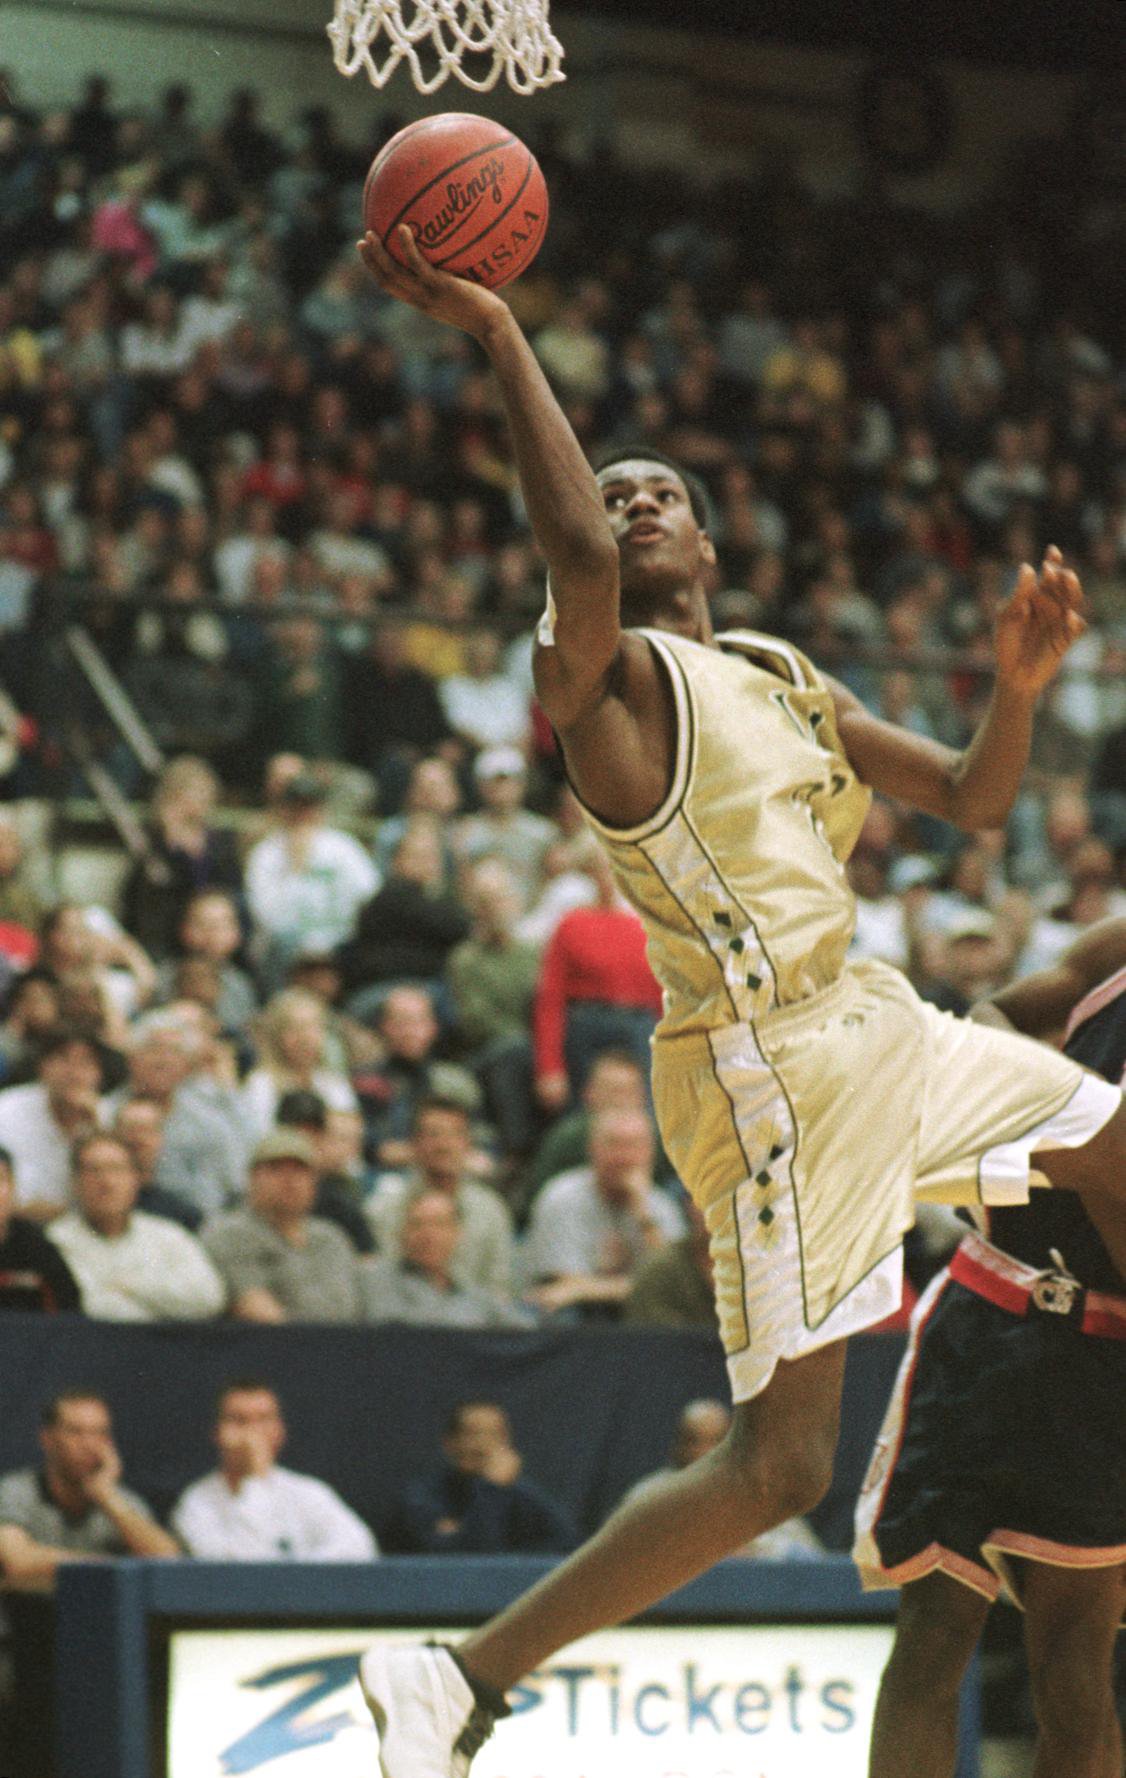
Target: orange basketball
{"type": "Point", "coordinates": [469, 190]}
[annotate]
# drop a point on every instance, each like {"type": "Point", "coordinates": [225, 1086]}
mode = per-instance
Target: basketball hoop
{"type": "Point", "coordinates": [433, 37]}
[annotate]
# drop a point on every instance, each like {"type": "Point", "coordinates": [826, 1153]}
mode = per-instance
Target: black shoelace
{"type": "Point", "coordinates": [476, 1732]}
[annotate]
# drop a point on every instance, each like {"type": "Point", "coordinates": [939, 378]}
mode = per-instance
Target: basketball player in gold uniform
{"type": "Point", "coordinates": [807, 1104]}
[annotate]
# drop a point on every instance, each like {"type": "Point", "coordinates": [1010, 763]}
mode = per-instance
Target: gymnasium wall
{"type": "Point", "coordinates": [936, 136]}
{"type": "Point", "coordinates": [593, 1409]}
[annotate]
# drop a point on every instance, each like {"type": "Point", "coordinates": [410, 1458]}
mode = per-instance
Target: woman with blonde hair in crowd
{"type": "Point", "coordinates": [292, 1039]}
{"type": "Point", "coordinates": [187, 853]}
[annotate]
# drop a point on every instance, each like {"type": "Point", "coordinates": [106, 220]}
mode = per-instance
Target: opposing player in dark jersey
{"type": "Point", "coordinates": [1001, 1464]}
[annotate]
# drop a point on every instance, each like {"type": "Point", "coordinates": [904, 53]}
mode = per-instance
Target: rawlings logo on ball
{"type": "Point", "coordinates": [462, 199]}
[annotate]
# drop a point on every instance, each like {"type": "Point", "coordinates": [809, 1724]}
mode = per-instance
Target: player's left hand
{"type": "Point", "coordinates": [1037, 625]}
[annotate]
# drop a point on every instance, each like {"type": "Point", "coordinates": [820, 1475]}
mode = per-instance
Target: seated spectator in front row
{"type": "Point", "coordinates": [442, 1144]}
{"type": "Point", "coordinates": [279, 1261]}
{"type": "Point", "coordinates": [38, 1123]}
{"type": "Point", "coordinates": [33, 1273]}
{"type": "Point", "coordinates": [592, 1228]}
{"type": "Point", "coordinates": [130, 1266]}
{"type": "Point", "coordinates": [73, 1506]}
{"type": "Point", "coordinates": [250, 1509]}
{"type": "Point", "coordinates": [478, 1502]}
{"type": "Point", "coordinates": [69, 1508]}
{"type": "Point", "coordinates": [420, 1287]}
{"type": "Point", "coordinates": [702, 1428]}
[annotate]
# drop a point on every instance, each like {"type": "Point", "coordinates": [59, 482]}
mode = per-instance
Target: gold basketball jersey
{"type": "Point", "coordinates": [739, 876]}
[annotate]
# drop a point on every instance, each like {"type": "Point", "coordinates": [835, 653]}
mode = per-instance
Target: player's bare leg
{"type": "Point", "coordinates": [916, 1722]}
{"type": "Point", "coordinates": [776, 1462]}
{"type": "Point", "coordinates": [1072, 1617]}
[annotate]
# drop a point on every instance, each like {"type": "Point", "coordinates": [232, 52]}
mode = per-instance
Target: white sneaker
{"type": "Point", "coordinates": [429, 1723]}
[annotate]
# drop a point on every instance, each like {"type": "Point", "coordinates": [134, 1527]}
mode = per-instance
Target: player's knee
{"type": "Point", "coordinates": [931, 1648]}
{"type": "Point", "coordinates": [1072, 1696]}
{"type": "Point", "coordinates": [786, 1481]}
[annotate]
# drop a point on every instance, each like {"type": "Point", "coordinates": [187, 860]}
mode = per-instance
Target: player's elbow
{"type": "Point", "coordinates": [976, 808]}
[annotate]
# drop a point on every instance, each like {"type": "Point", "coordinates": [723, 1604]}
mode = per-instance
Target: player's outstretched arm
{"type": "Point", "coordinates": [562, 498]}
{"type": "Point", "coordinates": [1041, 1004]}
{"type": "Point", "coordinates": [976, 788]}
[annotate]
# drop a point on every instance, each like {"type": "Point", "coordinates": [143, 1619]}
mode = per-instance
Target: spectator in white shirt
{"type": "Point", "coordinates": [38, 1123]}
{"type": "Point", "coordinates": [251, 1509]}
{"type": "Point", "coordinates": [130, 1266]}
{"type": "Point", "coordinates": [306, 882]}
{"type": "Point", "coordinates": [591, 1227]}
{"type": "Point", "coordinates": [483, 705]}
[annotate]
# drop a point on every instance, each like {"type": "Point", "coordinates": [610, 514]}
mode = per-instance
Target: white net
{"type": "Point", "coordinates": [474, 40]}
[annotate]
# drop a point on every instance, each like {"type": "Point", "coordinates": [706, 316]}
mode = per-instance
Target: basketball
{"type": "Point", "coordinates": [469, 190]}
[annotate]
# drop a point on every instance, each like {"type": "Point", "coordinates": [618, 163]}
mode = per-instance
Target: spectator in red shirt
{"type": "Point", "coordinates": [596, 991]}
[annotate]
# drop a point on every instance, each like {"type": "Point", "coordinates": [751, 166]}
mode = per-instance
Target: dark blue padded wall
{"type": "Point", "coordinates": [593, 1409]}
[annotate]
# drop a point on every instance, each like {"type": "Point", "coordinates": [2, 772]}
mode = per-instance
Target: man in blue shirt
{"type": "Point", "coordinates": [479, 1503]}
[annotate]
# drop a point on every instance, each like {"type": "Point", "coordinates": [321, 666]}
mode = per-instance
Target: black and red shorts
{"type": "Point", "coordinates": [1005, 1436]}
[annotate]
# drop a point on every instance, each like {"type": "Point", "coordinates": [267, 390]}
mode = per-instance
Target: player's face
{"type": "Point", "coordinates": [659, 540]}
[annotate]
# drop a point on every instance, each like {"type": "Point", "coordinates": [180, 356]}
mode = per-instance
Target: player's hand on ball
{"type": "Point", "coordinates": [438, 294]}
{"type": "Point", "coordinates": [1037, 625]}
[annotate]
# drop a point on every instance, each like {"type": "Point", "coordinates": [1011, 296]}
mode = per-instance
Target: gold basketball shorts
{"type": "Point", "coordinates": [807, 1140]}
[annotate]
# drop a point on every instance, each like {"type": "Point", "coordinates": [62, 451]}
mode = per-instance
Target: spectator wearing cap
{"type": "Point", "coordinates": [419, 1287]}
{"type": "Point", "coordinates": [130, 1266]}
{"type": "Point", "coordinates": [305, 883]}
{"type": "Point", "coordinates": [40, 1122]}
{"type": "Point", "coordinates": [340, 1193]}
{"type": "Point", "coordinates": [292, 1036]}
{"type": "Point", "coordinates": [442, 1143]}
{"type": "Point", "coordinates": [278, 1260]}
{"type": "Point", "coordinates": [503, 828]}
{"type": "Point", "coordinates": [408, 928]}
{"type": "Point", "coordinates": [33, 1273]}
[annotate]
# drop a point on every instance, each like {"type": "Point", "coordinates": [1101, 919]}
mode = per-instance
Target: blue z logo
{"type": "Point", "coordinates": [284, 1732]}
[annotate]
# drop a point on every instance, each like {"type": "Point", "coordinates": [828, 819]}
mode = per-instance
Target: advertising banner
{"type": "Point", "coordinates": [690, 1701]}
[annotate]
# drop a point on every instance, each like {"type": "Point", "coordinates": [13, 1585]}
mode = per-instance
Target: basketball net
{"type": "Point", "coordinates": [433, 36]}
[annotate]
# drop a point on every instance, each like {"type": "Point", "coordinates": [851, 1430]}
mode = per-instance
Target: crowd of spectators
{"type": "Point", "coordinates": [381, 1053]}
